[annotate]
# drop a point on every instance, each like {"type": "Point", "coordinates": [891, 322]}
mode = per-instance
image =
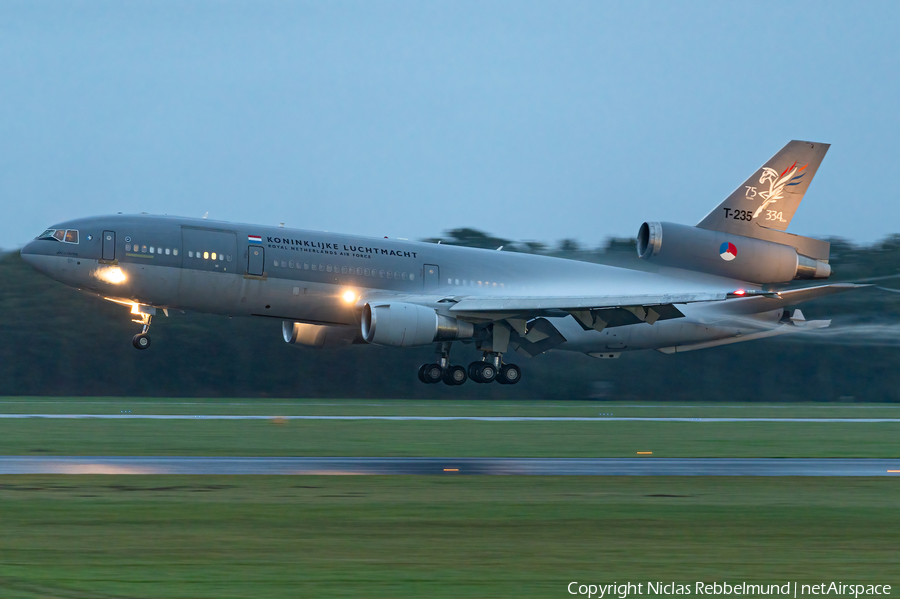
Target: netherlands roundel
{"type": "Point", "coordinates": [728, 251]}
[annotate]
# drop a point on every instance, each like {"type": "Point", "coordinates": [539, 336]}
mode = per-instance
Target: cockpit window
{"type": "Point", "coordinates": [64, 235]}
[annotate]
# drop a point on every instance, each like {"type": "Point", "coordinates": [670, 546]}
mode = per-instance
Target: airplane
{"type": "Point", "coordinates": [720, 282]}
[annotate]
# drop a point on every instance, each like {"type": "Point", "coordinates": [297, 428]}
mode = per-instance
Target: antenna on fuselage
{"type": "Point", "coordinates": [205, 215]}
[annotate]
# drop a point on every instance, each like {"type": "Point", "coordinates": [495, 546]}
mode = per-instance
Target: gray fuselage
{"type": "Point", "coordinates": [323, 278]}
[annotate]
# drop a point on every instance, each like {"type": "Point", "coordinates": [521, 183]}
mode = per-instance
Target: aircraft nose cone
{"type": "Point", "coordinates": [28, 253]}
{"type": "Point", "coordinates": [31, 255]}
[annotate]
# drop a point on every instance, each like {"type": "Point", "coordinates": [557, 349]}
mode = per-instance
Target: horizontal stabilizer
{"type": "Point", "coordinates": [790, 297]}
{"type": "Point", "coordinates": [784, 329]}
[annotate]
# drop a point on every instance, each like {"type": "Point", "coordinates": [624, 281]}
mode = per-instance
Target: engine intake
{"type": "Point", "coordinates": [726, 254]}
{"type": "Point", "coordinates": [406, 325]}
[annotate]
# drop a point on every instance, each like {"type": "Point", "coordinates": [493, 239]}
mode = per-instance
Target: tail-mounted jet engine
{"type": "Point", "coordinates": [726, 254]}
{"type": "Point", "coordinates": [406, 325]}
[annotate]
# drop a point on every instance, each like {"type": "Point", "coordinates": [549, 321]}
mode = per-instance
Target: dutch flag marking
{"type": "Point", "coordinates": [254, 239]}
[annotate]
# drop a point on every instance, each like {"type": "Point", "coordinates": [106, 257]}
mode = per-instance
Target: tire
{"type": "Point", "coordinates": [432, 373]}
{"type": "Point", "coordinates": [486, 372]}
{"type": "Point", "coordinates": [140, 341]}
{"type": "Point", "coordinates": [422, 373]}
{"type": "Point", "coordinates": [473, 371]}
{"type": "Point", "coordinates": [455, 375]}
{"type": "Point", "coordinates": [510, 374]}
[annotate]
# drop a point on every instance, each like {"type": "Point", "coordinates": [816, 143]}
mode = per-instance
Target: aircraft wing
{"type": "Point", "coordinates": [591, 312]}
{"type": "Point", "coordinates": [530, 304]}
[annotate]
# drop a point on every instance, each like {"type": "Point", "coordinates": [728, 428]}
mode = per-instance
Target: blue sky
{"type": "Point", "coordinates": [530, 120]}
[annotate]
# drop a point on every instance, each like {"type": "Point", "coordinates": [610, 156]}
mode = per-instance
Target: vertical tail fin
{"type": "Point", "coordinates": [771, 196]}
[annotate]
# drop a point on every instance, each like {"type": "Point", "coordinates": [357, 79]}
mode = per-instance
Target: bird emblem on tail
{"type": "Point", "coordinates": [777, 183]}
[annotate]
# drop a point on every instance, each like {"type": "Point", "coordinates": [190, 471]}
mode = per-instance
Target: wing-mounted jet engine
{"type": "Point", "coordinates": [399, 324]}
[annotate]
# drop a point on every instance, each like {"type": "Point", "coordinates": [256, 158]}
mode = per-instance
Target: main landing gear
{"type": "Point", "coordinates": [491, 368]}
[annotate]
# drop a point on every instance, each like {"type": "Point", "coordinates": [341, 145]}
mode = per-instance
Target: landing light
{"type": "Point", "coordinates": [349, 296]}
{"type": "Point", "coordinates": [113, 275]}
{"type": "Point", "coordinates": [740, 292]}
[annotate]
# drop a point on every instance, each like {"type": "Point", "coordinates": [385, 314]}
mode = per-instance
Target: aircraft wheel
{"type": "Point", "coordinates": [509, 374]}
{"type": "Point", "coordinates": [473, 371]}
{"type": "Point", "coordinates": [422, 372]}
{"type": "Point", "coordinates": [141, 341]}
{"type": "Point", "coordinates": [432, 373]}
{"type": "Point", "coordinates": [486, 372]}
{"type": "Point", "coordinates": [455, 375]}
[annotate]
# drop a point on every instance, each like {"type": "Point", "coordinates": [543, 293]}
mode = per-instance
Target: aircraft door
{"type": "Point", "coordinates": [109, 245]}
{"type": "Point", "coordinates": [432, 276]}
{"type": "Point", "coordinates": [256, 260]}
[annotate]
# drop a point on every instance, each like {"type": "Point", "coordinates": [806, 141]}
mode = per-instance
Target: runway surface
{"type": "Point", "coordinates": [435, 418]}
{"type": "Point", "coordinates": [449, 466]}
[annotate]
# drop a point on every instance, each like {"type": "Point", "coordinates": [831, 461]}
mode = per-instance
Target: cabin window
{"type": "Point", "coordinates": [143, 249]}
{"type": "Point", "coordinates": [321, 267]}
{"type": "Point", "coordinates": [228, 257]}
{"type": "Point", "coordinates": [366, 271]}
{"type": "Point", "coordinates": [381, 273]}
{"type": "Point", "coordinates": [411, 276]}
{"type": "Point", "coordinates": [343, 270]}
{"type": "Point", "coordinates": [275, 263]}
{"type": "Point", "coordinates": [175, 251]}
{"type": "Point", "coordinates": [190, 253]}
{"type": "Point", "coordinates": [168, 251]}
{"type": "Point", "coordinates": [306, 266]}
{"type": "Point", "coordinates": [358, 270]}
{"type": "Point", "coordinates": [291, 264]}
{"type": "Point", "coordinates": [314, 267]}
{"type": "Point", "coordinates": [283, 264]}
{"type": "Point", "coordinates": [152, 250]}
{"type": "Point", "coordinates": [403, 276]}
{"type": "Point", "coordinates": [389, 274]}
{"type": "Point", "coordinates": [127, 247]}
{"type": "Point", "coordinates": [329, 268]}
{"type": "Point", "coordinates": [213, 255]}
{"type": "Point", "coordinates": [396, 275]}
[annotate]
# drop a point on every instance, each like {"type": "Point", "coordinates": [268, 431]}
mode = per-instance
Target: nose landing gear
{"type": "Point", "coordinates": [142, 339]}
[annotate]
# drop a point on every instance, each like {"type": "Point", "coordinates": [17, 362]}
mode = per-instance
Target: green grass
{"type": "Point", "coordinates": [222, 537]}
{"type": "Point", "coordinates": [457, 407]}
{"type": "Point", "coordinates": [446, 438]}
{"type": "Point", "coordinates": [455, 438]}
